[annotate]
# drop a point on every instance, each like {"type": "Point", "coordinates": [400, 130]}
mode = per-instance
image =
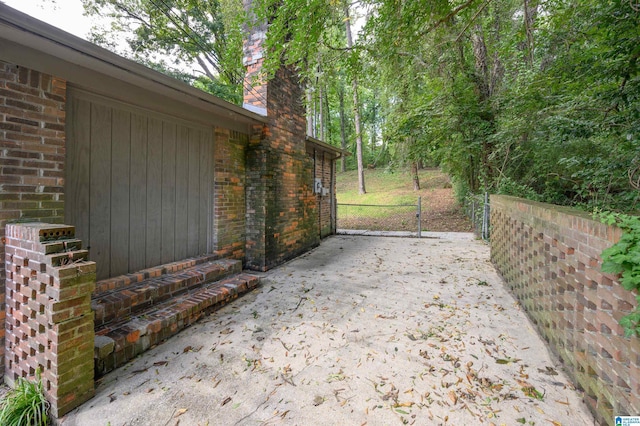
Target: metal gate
{"type": "Point", "coordinates": [380, 217]}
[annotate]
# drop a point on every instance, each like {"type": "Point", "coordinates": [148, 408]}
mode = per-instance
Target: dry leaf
{"type": "Point", "coordinates": [180, 412]}
{"type": "Point", "coordinates": [226, 400]}
{"type": "Point", "coordinates": [453, 397]}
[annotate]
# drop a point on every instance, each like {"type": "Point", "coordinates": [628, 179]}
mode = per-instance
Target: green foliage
{"type": "Point", "coordinates": [25, 404]}
{"type": "Point", "coordinates": [193, 34]}
{"type": "Point", "coordinates": [624, 258]}
{"type": "Point", "coordinates": [542, 103]}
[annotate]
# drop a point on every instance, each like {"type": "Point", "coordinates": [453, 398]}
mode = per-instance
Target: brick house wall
{"type": "Point", "coordinates": [264, 210]}
{"type": "Point", "coordinates": [32, 153]}
{"type": "Point", "coordinates": [229, 234]}
{"type": "Point", "coordinates": [324, 170]}
{"type": "Point", "coordinates": [549, 257]}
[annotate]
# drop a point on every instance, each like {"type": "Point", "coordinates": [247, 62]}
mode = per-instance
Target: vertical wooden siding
{"type": "Point", "coordinates": [138, 184]}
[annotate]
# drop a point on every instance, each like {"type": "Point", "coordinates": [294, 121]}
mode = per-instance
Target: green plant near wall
{"type": "Point", "coordinates": [25, 404]}
{"type": "Point", "coordinates": [624, 258]}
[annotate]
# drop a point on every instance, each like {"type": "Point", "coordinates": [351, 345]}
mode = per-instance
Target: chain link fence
{"type": "Point", "coordinates": [378, 217]}
{"type": "Point", "coordinates": [478, 209]}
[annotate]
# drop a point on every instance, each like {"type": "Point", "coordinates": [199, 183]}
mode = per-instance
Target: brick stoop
{"type": "Point", "coordinates": [130, 319]}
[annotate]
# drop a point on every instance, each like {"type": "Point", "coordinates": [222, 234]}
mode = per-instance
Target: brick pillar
{"type": "Point", "coordinates": [49, 321]}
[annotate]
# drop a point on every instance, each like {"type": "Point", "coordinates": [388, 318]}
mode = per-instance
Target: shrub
{"type": "Point", "coordinates": [25, 405]}
{"type": "Point", "coordinates": [624, 258]}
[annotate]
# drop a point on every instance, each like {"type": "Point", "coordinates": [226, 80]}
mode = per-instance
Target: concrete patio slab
{"type": "Point", "coordinates": [466, 236]}
{"type": "Point", "coordinates": [360, 331]}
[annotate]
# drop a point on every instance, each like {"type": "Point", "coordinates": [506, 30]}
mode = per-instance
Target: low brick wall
{"type": "Point", "coordinates": [49, 322]}
{"type": "Point", "coordinates": [549, 256]}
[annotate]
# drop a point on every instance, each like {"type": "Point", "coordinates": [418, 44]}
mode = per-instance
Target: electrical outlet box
{"type": "Point", "coordinates": [317, 188]}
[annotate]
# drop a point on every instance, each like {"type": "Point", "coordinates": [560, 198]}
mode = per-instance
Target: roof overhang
{"type": "Point", "coordinates": [28, 42]}
{"type": "Point", "coordinates": [312, 144]}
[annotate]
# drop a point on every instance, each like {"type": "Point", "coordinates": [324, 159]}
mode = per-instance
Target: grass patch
{"type": "Point", "coordinates": [386, 187]}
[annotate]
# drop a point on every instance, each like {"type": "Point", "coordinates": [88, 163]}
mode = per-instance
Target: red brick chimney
{"type": "Point", "coordinates": [282, 214]}
{"type": "Point", "coordinates": [255, 85]}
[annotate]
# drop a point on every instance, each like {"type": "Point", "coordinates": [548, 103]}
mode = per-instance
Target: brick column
{"type": "Point", "coordinates": [49, 322]}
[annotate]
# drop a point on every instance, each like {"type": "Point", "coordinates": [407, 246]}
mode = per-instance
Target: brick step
{"type": "Point", "coordinates": [161, 284]}
{"type": "Point", "coordinates": [115, 344]}
{"type": "Point", "coordinates": [119, 282]}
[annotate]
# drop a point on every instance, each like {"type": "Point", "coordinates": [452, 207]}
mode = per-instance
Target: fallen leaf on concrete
{"type": "Point", "coordinates": [226, 401]}
{"type": "Point", "coordinates": [180, 412]}
{"type": "Point", "coordinates": [549, 371]}
{"type": "Point", "coordinates": [506, 360]}
{"type": "Point", "coordinates": [160, 363]}
{"type": "Point", "coordinates": [385, 317]}
{"type": "Point", "coordinates": [226, 331]}
{"type": "Point", "coordinates": [318, 400]}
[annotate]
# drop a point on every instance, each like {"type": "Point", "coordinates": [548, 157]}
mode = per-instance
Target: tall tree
{"type": "Point", "coordinates": [356, 108]}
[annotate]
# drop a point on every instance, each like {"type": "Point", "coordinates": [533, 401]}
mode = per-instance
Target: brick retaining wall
{"type": "Point", "coordinates": [549, 257]}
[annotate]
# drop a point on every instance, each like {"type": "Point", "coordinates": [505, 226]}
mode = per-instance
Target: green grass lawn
{"type": "Point", "coordinates": [383, 188]}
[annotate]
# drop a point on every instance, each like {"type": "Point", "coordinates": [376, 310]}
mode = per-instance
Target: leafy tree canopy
{"type": "Point", "coordinates": [205, 35]}
{"type": "Point", "coordinates": [536, 98]}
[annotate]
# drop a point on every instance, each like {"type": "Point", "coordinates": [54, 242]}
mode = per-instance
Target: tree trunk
{"type": "Point", "coordinates": [481, 66]}
{"type": "Point", "coordinates": [530, 12]}
{"type": "Point", "coordinates": [414, 174]}
{"type": "Point", "coordinates": [374, 119]}
{"type": "Point", "coordinates": [321, 111]}
{"type": "Point", "coordinates": [327, 108]}
{"type": "Point", "coordinates": [309, 112]}
{"type": "Point", "coordinates": [356, 112]}
{"type": "Point", "coordinates": [343, 136]}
